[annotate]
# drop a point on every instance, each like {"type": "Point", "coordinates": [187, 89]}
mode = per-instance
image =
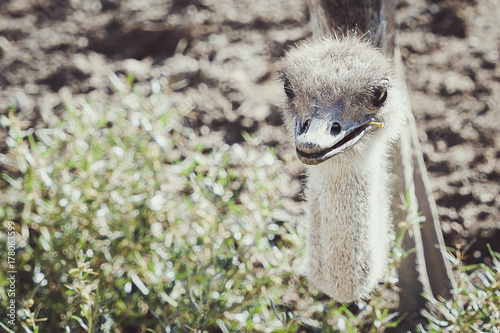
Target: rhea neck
{"type": "Point", "coordinates": [348, 184]}
{"type": "Point", "coordinates": [347, 239]}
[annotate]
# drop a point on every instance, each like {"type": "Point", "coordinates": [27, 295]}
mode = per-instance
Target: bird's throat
{"type": "Point", "coordinates": [348, 231]}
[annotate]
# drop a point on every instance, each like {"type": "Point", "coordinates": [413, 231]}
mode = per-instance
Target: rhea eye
{"type": "Point", "coordinates": [288, 88]}
{"type": "Point", "coordinates": [378, 98]}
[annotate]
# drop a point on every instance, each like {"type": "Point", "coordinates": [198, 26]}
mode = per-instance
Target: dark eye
{"type": "Point", "coordinates": [378, 98]}
{"type": "Point", "coordinates": [288, 88]}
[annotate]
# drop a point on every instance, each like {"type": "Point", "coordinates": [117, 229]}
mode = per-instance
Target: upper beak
{"type": "Point", "coordinates": [318, 139]}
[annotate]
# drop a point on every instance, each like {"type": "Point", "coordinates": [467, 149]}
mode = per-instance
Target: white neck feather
{"type": "Point", "coordinates": [348, 238]}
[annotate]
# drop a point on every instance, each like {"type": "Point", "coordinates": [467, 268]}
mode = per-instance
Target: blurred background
{"type": "Point", "coordinates": [220, 58]}
{"type": "Point", "coordinates": [216, 62]}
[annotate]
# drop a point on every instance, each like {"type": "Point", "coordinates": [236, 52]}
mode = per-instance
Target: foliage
{"type": "Point", "coordinates": [476, 303]}
{"type": "Point", "coordinates": [129, 220]}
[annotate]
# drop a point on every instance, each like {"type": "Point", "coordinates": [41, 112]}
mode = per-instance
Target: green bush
{"type": "Point", "coordinates": [129, 220]}
{"type": "Point", "coordinates": [476, 303]}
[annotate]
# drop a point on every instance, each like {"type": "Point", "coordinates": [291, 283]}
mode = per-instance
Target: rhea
{"type": "Point", "coordinates": [343, 109]}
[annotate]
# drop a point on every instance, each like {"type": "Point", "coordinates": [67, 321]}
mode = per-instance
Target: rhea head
{"type": "Point", "coordinates": [338, 96]}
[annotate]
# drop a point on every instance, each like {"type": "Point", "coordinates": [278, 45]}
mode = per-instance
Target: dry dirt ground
{"type": "Point", "coordinates": [218, 62]}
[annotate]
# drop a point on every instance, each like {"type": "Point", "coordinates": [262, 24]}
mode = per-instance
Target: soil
{"type": "Point", "coordinates": [218, 60]}
{"type": "Point", "coordinates": [450, 49]}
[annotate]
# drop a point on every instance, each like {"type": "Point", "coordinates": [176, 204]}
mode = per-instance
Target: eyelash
{"type": "Point", "coordinates": [378, 99]}
{"type": "Point", "coordinates": [288, 88]}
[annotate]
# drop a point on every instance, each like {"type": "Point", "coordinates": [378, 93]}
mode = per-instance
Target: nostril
{"type": "Point", "coordinates": [336, 128]}
{"type": "Point", "coordinates": [305, 125]}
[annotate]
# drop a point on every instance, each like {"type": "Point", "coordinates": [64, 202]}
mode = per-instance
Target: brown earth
{"type": "Point", "coordinates": [450, 49]}
{"type": "Point", "coordinates": [218, 62]}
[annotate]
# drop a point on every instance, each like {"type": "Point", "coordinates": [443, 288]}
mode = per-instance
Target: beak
{"type": "Point", "coordinates": [317, 139]}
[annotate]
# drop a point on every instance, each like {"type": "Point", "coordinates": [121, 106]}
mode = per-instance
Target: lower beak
{"type": "Point", "coordinates": [321, 139]}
